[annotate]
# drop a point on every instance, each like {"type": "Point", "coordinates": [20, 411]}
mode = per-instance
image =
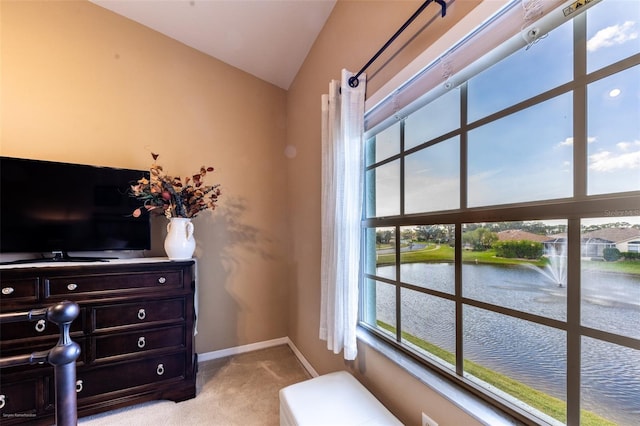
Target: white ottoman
{"type": "Point", "coordinates": [332, 400]}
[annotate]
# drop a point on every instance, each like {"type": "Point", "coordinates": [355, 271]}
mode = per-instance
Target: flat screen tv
{"type": "Point", "coordinates": [55, 208]}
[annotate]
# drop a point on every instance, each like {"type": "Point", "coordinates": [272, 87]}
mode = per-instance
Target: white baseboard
{"type": "Point", "coordinates": [242, 349]}
{"type": "Point", "coordinates": [208, 356]}
{"type": "Point", "coordinates": [307, 366]}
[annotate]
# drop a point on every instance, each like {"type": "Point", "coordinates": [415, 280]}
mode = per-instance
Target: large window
{"type": "Point", "coordinates": [502, 227]}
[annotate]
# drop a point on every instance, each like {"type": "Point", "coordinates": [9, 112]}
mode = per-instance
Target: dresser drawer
{"type": "Point", "coordinates": [18, 400]}
{"type": "Point", "coordinates": [39, 328]}
{"type": "Point", "coordinates": [18, 290]}
{"type": "Point", "coordinates": [78, 284]}
{"type": "Point", "coordinates": [139, 313]}
{"type": "Point", "coordinates": [27, 348]}
{"type": "Point", "coordinates": [113, 378]}
{"type": "Point", "coordinates": [138, 341]}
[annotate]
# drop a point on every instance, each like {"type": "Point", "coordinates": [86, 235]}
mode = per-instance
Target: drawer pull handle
{"type": "Point", "coordinates": [2, 397]}
{"type": "Point", "coordinates": [7, 290]}
{"type": "Point", "coordinates": [162, 280]}
{"type": "Point", "coordinates": [40, 326]}
{"type": "Point", "coordinates": [141, 314]}
{"type": "Point", "coordinates": [79, 386]}
{"type": "Point", "coordinates": [160, 369]}
{"type": "Point", "coordinates": [141, 342]}
{"type": "Point", "coordinates": [72, 286]}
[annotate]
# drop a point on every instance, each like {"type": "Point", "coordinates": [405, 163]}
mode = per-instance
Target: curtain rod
{"type": "Point", "coordinates": [353, 81]}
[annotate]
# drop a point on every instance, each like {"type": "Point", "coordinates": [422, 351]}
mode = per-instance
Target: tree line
{"type": "Point", "coordinates": [482, 237]}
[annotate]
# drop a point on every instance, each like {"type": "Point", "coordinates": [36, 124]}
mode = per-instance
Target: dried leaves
{"type": "Point", "coordinates": [168, 195]}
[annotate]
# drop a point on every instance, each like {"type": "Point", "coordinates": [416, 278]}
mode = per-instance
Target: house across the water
{"type": "Point", "coordinates": [595, 242]}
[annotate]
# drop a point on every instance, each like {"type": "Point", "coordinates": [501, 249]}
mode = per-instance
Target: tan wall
{"type": "Point", "coordinates": [353, 33]}
{"type": "Point", "coordinates": [81, 84]}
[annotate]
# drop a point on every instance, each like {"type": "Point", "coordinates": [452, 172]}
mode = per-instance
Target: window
{"type": "Point", "coordinates": [502, 226]}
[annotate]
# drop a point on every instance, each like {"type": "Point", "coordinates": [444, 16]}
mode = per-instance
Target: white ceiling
{"type": "Point", "coordinates": [267, 38]}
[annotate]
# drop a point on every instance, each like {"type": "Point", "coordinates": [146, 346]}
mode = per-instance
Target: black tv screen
{"type": "Point", "coordinates": [60, 207]}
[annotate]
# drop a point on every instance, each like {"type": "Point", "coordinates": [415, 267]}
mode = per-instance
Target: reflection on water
{"type": "Point", "coordinates": [531, 353]}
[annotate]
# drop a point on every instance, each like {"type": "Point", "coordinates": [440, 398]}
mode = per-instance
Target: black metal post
{"type": "Point", "coordinates": [63, 356]}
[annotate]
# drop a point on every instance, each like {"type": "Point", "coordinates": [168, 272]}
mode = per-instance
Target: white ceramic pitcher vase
{"type": "Point", "coordinates": [179, 243]}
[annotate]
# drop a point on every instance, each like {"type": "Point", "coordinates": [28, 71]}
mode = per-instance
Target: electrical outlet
{"type": "Point", "coordinates": [428, 421]}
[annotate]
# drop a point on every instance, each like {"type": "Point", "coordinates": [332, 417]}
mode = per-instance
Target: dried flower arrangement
{"type": "Point", "coordinates": [168, 195]}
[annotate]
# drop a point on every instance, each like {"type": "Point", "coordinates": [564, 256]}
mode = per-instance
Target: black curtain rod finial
{"type": "Point", "coordinates": [353, 81]}
{"type": "Point", "coordinates": [443, 5]}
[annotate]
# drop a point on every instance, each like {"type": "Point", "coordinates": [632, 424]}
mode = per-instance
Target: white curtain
{"type": "Point", "coordinates": [342, 183]}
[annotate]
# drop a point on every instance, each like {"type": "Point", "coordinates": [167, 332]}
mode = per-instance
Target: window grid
{"type": "Point", "coordinates": [574, 208]}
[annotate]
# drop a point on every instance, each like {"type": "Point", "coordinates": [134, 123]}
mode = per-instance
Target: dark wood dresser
{"type": "Point", "coordinates": [135, 330]}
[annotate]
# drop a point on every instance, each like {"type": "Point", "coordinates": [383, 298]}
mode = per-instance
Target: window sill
{"type": "Point", "coordinates": [466, 401]}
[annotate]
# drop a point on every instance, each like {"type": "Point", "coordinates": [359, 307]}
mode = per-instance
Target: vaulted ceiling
{"type": "Point", "coordinates": [267, 38]}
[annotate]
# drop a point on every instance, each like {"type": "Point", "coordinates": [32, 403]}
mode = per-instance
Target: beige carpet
{"type": "Point", "coordinates": [238, 390]}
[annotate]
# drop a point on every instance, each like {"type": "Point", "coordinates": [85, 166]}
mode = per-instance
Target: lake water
{"type": "Point", "coordinates": [531, 353]}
